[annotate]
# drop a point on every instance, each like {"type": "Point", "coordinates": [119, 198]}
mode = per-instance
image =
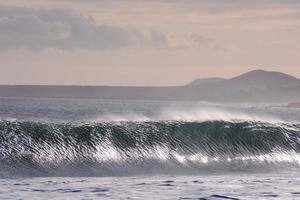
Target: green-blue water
{"type": "Point", "coordinates": [181, 149]}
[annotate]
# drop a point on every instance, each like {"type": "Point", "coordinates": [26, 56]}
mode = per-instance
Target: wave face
{"type": "Point", "coordinates": [126, 148]}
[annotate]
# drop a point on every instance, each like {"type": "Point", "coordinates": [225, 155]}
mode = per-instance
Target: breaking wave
{"type": "Point", "coordinates": [108, 148]}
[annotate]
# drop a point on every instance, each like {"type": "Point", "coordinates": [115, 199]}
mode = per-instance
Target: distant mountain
{"type": "Point", "coordinates": [253, 78]}
{"type": "Point", "coordinates": [265, 78]}
{"type": "Point", "coordinates": [203, 81]}
{"type": "Point", "coordinates": [294, 105]}
{"type": "Point", "coordinates": [256, 86]}
{"type": "Point", "coordinates": [253, 86]}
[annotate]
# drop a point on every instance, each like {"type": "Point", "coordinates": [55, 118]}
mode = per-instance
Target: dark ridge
{"type": "Point", "coordinates": [267, 78]}
{"type": "Point", "coordinates": [203, 81]}
{"type": "Point", "coordinates": [253, 86]}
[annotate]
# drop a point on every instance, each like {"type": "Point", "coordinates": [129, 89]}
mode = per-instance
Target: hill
{"type": "Point", "coordinates": [294, 105]}
{"type": "Point", "coordinates": [266, 78]}
{"type": "Point", "coordinates": [203, 81]}
{"type": "Point", "coordinates": [253, 86]}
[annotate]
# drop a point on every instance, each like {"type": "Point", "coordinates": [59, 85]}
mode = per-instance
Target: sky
{"type": "Point", "coordinates": [145, 42]}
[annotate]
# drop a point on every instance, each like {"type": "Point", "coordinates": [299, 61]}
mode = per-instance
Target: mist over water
{"type": "Point", "coordinates": [94, 110]}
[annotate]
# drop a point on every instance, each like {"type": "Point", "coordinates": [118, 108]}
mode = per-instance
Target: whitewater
{"type": "Point", "coordinates": [116, 149]}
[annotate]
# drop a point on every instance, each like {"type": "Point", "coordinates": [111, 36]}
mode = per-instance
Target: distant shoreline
{"type": "Point", "coordinates": [254, 86]}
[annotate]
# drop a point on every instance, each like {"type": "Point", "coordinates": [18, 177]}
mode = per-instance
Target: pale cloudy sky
{"type": "Point", "coordinates": [145, 42]}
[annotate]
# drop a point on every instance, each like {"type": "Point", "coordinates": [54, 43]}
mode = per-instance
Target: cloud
{"type": "Point", "coordinates": [22, 27]}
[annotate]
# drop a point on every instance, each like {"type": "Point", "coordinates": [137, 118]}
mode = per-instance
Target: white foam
{"type": "Point", "coordinates": [199, 114]}
{"type": "Point", "coordinates": [122, 117]}
{"type": "Point", "coordinates": [215, 114]}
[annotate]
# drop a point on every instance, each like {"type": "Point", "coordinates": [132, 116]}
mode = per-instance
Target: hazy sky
{"type": "Point", "coordinates": [145, 42]}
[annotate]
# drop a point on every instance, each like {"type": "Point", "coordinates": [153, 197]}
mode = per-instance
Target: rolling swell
{"type": "Point", "coordinates": [121, 148]}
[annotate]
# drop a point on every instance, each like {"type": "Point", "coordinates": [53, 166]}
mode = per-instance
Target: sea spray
{"type": "Point", "coordinates": [30, 148]}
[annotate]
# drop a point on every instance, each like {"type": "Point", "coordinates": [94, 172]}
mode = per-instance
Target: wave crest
{"type": "Point", "coordinates": [121, 148]}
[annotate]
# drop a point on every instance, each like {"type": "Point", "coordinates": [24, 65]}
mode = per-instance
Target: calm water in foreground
{"type": "Point", "coordinates": [240, 186]}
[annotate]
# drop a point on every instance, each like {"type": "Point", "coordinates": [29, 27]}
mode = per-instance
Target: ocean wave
{"type": "Point", "coordinates": [30, 148]}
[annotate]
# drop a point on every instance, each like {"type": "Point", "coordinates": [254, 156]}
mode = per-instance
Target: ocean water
{"type": "Point", "coordinates": [115, 149]}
